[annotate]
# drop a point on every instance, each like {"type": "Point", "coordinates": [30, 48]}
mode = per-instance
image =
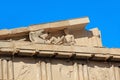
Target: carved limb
{"type": "Point", "coordinates": [35, 36]}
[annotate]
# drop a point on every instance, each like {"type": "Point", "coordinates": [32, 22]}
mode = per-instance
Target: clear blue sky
{"type": "Point", "coordinates": [104, 14]}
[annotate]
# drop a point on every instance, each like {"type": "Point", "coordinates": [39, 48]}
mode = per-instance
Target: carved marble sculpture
{"type": "Point", "coordinates": [38, 36]}
{"type": "Point", "coordinates": [74, 53]}
{"type": "Point", "coordinates": [58, 40]}
{"type": "Point", "coordinates": [41, 36]}
{"type": "Point", "coordinates": [69, 39]}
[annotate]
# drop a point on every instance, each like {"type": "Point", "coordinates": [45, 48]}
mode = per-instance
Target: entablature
{"type": "Point", "coordinates": [58, 51]}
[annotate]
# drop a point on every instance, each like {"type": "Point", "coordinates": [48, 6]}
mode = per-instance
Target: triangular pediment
{"type": "Point", "coordinates": [67, 32]}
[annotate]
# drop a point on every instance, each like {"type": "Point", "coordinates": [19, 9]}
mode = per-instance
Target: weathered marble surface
{"type": "Point", "coordinates": [68, 32]}
{"type": "Point", "coordinates": [57, 69]}
{"type": "Point", "coordinates": [58, 51]}
{"type": "Point", "coordinates": [62, 50]}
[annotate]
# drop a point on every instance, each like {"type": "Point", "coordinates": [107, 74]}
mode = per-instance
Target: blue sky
{"type": "Point", "coordinates": [104, 14]}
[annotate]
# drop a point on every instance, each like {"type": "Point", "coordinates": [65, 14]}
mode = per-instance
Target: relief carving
{"type": "Point", "coordinates": [38, 36]}
{"type": "Point", "coordinates": [69, 39]}
{"type": "Point", "coordinates": [43, 37]}
{"type": "Point", "coordinates": [24, 71]}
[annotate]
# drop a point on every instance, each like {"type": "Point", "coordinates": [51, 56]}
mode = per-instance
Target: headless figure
{"type": "Point", "coordinates": [38, 36]}
{"type": "Point", "coordinates": [69, 39]}
{"type": "Point", "coordinates": [55, 40]}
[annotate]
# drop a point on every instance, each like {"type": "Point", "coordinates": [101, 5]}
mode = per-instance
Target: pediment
{"type": "Point", "coordinates": [68, 32]}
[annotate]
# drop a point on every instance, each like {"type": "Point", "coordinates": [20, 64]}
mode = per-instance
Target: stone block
{"type": "Point", "coordinates": [45, 54]}
{"type": "Point", "coordinates": [5, 32]}
{"type": "Point", "coordinates": [38, 27]}
{"type": "Point", "coordinates": [84, 20]}
{"type": "Point", "coordinates": [59, 25]}
{"type": "Point", "coordinates": [5, 44]}
{"type": "Point", "coordinates": [64, 55]}
{"type": "Point", "coordinates": [26, 52]}
{"type": "Point", "coordinates": [95, 32]}
{"type": "Point", "coordinates": [19, 30]}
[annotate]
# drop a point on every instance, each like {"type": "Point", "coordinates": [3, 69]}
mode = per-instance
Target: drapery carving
{"type": "Point", "coordinates": [44, 37]}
